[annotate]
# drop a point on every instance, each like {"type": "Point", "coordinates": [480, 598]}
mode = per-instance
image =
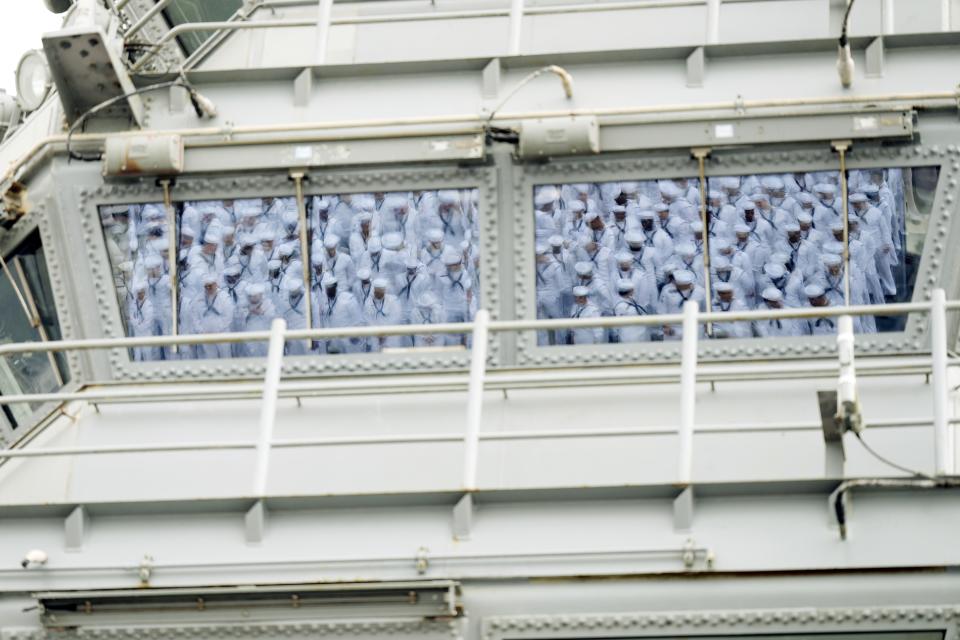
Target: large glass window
{"type": "Point", "coordinates": [395, 258]}
{"type": "Point", "coordinates": [635, 248]}
{"type": "Point", "coordinates": [28, 315]}
{"type": "Point", "coordinates": [371, 259]}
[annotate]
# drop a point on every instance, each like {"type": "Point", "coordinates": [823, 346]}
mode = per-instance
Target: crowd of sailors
{"type": "Point", "coordinates": [373, 259]}
{"type": "Point", "coordinates": [773, 241]}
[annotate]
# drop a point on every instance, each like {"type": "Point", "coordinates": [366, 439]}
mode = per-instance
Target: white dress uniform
{"type": "Point", "coordinates": [383, 311]}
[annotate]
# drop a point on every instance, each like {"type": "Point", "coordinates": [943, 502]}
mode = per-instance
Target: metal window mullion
{"type": "Point", "coordinates": [841, 147]}
{"type": "Point", "coordinates": [304, 249]}
{"type": "Point", "coordinates": [172, 260]}
{"type": "Point", "coordinates": [701, 155]}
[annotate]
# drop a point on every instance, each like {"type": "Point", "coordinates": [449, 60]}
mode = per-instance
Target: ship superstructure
{"type": "Point", "coordinates": [481, 319]}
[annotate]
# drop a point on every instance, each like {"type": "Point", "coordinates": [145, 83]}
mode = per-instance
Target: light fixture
{"type": "Point", "coordinates": [33, 80]}
{"type": "Point", "coordinates": [845, 65]}
{"type": "Point", "coordinates": [58, 6]}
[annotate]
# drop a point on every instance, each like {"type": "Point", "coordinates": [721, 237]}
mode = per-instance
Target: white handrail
{"type": "Point", "coordinates": [268, 408]}
{"type": "Point", "coordinates": [688, 389]}
{"type": "Point", "coordinates": [478, 372]}
{"type": "Point", "coordinates": [943, 443]}
{"type": "Point", "coordinates": [495, 326]}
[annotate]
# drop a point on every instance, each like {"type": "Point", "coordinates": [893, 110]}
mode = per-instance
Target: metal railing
{"type": "Point", "coordinates": [479, 379]}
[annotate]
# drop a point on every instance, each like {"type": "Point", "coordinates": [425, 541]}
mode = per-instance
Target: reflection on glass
{"type": "Point", "coordinates": [374, 259]}
{"type": "Point", "coordinates": [33, 320]}
{"type": "Point", "coordinates": [394, 258]}
{"type": "Point", "coordinates": [634, 248]}
{"type": "Point", "coordinates": [617, 248]}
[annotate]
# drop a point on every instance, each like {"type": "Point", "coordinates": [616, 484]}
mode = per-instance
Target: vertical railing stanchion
{"type": "Point", "coordinates": [268, 406]}
{"type": "Point", "coordinates": [688, 389]}
{"type": "Point", "coordinates": [943, 449]}
{"type": "Point", "coordinates": [478, 372]}
{"type": "Point", "coordinates": [713, 31]}
{"type": "Point", "coordinates": [516, 26]}
{"type": "Point", "coordinates": [324, 10]}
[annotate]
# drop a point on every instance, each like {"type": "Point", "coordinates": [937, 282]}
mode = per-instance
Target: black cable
{"type": "Point", "coordinates": [71, 155]}
{"type": "Point", "coordinates": [845, 24]}
{"type": "Point", "coordinates": [889, 463]}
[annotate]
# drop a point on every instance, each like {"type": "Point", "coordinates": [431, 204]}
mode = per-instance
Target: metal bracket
{"type": "Point", "coordinates": [145, 570]}
{"type": "Point", "coordinates": [422, 562]}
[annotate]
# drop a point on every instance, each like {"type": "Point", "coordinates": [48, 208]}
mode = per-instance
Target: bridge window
{"type": "Point", "coordinates": [183, 11]}
{"type": "Point", "coordinates": [639, 247]}
{"type": "Point", "coordinates": [28, 315]}
{"type": "Point", "coordinates": [371, 259]}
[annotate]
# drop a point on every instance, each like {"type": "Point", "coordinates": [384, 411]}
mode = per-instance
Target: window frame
{"type": "Point", "coordinates": [195, 188]}
{"type": "Point", "coordinates": [710, 625]}
{"type": "Point", "coordinates": [726, 162]}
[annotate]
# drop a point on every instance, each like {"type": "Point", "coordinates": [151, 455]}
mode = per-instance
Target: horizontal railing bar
{"type": "Point", "coordinates": [734, 372]}
{"type": "Point", "coordinates": [465, 327]}
{"type": "Point", "coordinates": [443, 438]}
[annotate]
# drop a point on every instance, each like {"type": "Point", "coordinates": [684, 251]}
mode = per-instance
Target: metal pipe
{"type": "Point", "coordinates": [268, 408]}
{"type": "Point", "coordinates": [146, 17]}
{"type": "Point", "coordinates": [701, 155]}
{"type": "Point", "coordinates": [841, 148]}
{"type": "Point", "coordinates": [478, 370]}
{"type": "Point", "coordinates": [943, 445]}
{"type": "Point", "coordinates": [432, 438]}
{"type": "Point", "coordinates": [516, 27]}
{"type": "Point", "coordinates": [946, 10]}
{"type": "Point", "coordinates": [454, 328]}
{"type": "Point", "coordinates": [688, 389]}
{"type": "Point", "coordinates": [323, 29]}
{"type": "Point", "coordinates": [304, 250]}
{"type": "Point", "coordinates": [172, 264]}
{"type": "Point", "coordinates": [660, 374]}
{"type": "Point", "coordinates": [916, 99]}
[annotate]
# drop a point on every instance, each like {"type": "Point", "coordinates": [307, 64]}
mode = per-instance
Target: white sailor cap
{"type": "Point", "coordinates": [686, 249]}
{"type": "Point", "coordinates": [541, 250]}
{"type": "Point", "coordinates": [545, 196]}
{"type": "Point", "coordinates": [577, 205]}
{"type": "Point", "coordinates": [634, 237]}
{"type": "Point", "coordinates": [741, 229]}
{"type": "Point", "coordinates": [556, 241]}
{"type": "Point", "coordinates": [451, 257]}
{"type": "Point", "coordinates": [804, 218]}
{"type": "Point", "coordinates": [760, 196]}
{"type": "Point", "coordinates": [825, 187]}
{"type": "Point", "coordinates": [328, 280]}
{"type": "Point", "coordinates": [624, 256]}
{"type": "Point", "coordinates": [583, 268]}
{"type": "Point", "coordinates": [774, 270]}
{"type": "Point", "coordinates": [151, 262]}
{"type": "Point", "coordinates": [683, 277]}
{"type": "Point", "coordinates": [581, 292]}
{"type": "Point", "coordinates": [448, 197]}
{"type": "Point", "coordinates": [619, 208]}
{"type": "Point", "coordinates": [374, 245]}
{"type": "Point", "coordinates": [293, 285]}
{"type": "Point", "coordinates": [831, 259]}
{"type": "Point", "coordinates": [331, 241]}
{"type": "Point", "coordinates": [435, 235]}
{"type": "Point", "coordinates": [791, 228]}
{"type": "Point", "coordinates": [591, 216]}
{"type": "Point", "coordinates": [772, 182]}
{"type": "Point", "coordinates": [625, 286]}
{"type": "Point", "coordinates": [804, 198]}
{"type": "Point", "coordinates": [647, 214]}
{"type": "Point", "coordinates": [392, 241]}
{"type": "Point", "coordinates": [274, 265]}
{"type": "Point", "coordinates": [857, 198]}
{"type": "Point", "coordinates": [286, 250]}
{"type": "Point", "coordinates": [255, 290]}
{"type": "Point", "coordinates": [813, 291]}
{"type": "Point", "coordinates": [363, 273]}
{"type": "Point", "coordinates": [772, 294]}
{"type": "Point", "coordinates": [723, 287]}
{"type": "Point", "coordinates": [722, 263]}
{"type": "Point", "coordinates": [411, 263]}
{"type": "Point", "coordinates": [696, 226]}
{"type": "Point", "coordinates": [380, 283]}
